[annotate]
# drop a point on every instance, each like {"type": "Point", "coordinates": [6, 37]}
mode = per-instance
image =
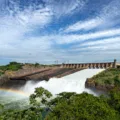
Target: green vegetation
{"type": "Point", "coordinates": [1, 107]}
{"type": "Point", "coordinates": [67, 106]}
{"type": "Point", "coordinates": [108, 77]}
{"type": "Point", "coordinates": [81, 107]}
{"type": "Point", "coordinates": [13, 66]}
{"type": "Point", "coordinates": [114, 100]}
{"type": "Point", "coordinates": [1, 73]}
{"type": "Point", "coordinates": [38, 65]}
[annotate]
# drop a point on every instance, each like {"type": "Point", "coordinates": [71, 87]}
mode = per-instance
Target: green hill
{"type": "Point", "coordinates": [107, 79]}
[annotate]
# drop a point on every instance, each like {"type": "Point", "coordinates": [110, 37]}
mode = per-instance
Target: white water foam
{"type": "Point", "coordinates": [71, 83]}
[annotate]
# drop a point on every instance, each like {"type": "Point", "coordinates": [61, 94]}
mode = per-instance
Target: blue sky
{"type": "Point", "coordinates": [65, 30]}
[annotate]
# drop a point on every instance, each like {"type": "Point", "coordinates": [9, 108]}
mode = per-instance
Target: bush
{"type": "Point", "coordinates": [109, 76]}
{"type": "Point", "coordinates": [14, 66]}
{"type": "Point", "coordinates": [68, 106]}
{"type": "Point", "coordinates": [81, 107]}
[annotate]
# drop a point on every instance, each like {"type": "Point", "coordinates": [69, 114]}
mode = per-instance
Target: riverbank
{"type": "Point", "coordinates": [106, 80]}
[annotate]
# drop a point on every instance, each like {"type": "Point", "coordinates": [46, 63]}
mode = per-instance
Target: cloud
{"type": "Point", "coordinates": [16, 27]}
{"type": "Point", "coordinates": [84, 25]}
{"type": "Point", "coordinates": [112, 10]}
{"type": "Point", "coordinates": [31, 33]}
{"type": "Point", "coordinates": [102, 42]}
{"type": "Point", "coordinates": [29, 49]}
{"type": "Point", "coordinates": [39, 17]}
{"type": "Point", "coordinates": [65, 39]}
{"type": "Point", "coordinates": [108, 17]}
{"type": "Point", "coordinates": [65, 7]}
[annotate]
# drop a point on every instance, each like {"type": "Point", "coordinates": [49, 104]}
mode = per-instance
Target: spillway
{"type": "Point", "coordinates": [71, 83]}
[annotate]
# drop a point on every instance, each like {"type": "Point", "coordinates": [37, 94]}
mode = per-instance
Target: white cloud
{"type": "Point", "coordinates": [84, 25]}
{"type": "Point", "coordinates": [65, 7]}
{"type": "Point", "coordinates": [100, 50]}
{"type": "Point", "coordinates": [16, 45]}
{"type": "Point", "coordinates": [63, 39]}
{"type": "Point", "coordinates": [112, 10]}
{"type": "Point", "coordinates": [39, 17]}
{"type": "Point", "coordinates": [29, 49]}
{"type": "Point", "coordinates": [108, 17]}
{"type": "Point", "coordinates": [102, 41]}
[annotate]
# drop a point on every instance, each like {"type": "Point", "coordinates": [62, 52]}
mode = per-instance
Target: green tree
{"type": "Point", "coordinates": [68, 106]}
{"type": "Point", "coordinates": [28, 114]}
{"type": "Point", "coordinates": [36, 110]}
{"type": "Point", "coordinates": [40, 97]}
{"type": "Point", "coordinates": [114, 100]}
{"type": "Point", "coordinates": [117, 80]}
{"type": "Point", "coordinates": [37, 64]}
{"type": "Point", "coordinates": [1, 107]}
{"type": "Point", "coordinates": [81, 107]}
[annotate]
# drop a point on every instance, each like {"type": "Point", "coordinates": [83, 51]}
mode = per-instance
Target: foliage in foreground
{"type": "Point", "coordinates": [68, 106]}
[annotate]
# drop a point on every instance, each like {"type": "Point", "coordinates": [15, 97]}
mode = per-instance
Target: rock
{"type": "Point", "coordinates": [3, 79]}
{"type": "Point", "coordinates": [90, 83]}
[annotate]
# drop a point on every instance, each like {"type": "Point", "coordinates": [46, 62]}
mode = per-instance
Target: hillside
{"type": "Point", "coordinates": [105, 80]}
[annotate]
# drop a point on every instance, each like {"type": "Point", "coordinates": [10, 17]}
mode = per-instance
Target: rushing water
{"type": "Point", "coordinates": [71, 83]}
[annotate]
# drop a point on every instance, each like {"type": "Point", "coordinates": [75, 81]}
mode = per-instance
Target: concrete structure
{"type": "Point", "coordinates": [61, 70]}
{"type": "Point", "coordinates": [118, 65]}
{"type": "Point", "coordinates": [104, 65]}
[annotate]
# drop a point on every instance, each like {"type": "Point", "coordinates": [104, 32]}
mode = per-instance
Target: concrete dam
{"type": "Point", "coordinates": [104, 65]}
{"type": "Point", "coordinates": [20, 77]}
{"type": "Point", "coordinates": [60, 70]}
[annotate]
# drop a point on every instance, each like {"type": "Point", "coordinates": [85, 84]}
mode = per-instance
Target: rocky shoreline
{"type": "Point", "coordinates": [105, 80]}
{"type": "Point", "coordinates": [3, 79]}
{"type": "Point", "coordinates": [90, 83]}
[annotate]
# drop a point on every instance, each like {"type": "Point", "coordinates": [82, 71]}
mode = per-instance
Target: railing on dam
{"type": "Point", "coordinates": [91, 65]}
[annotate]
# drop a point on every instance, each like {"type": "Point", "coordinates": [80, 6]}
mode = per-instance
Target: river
{"type": "Point", "coordinates": [71, 83]}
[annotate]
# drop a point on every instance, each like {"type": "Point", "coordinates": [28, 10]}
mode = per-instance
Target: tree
{"type": "Point", "coordinates": [67, 106]}
{"type": "Point", "coordinates": [114, 99]}
{"type": "Point", "coordinates": [36, 64]}
{"type": "Point", "coordinates": [81, 107]}
{"type": "Point", "coordinates": [28, 114]}
{"type": "Point", "coordinates": [36, 110]}
{"type": "Point", "coordinates": [117, 81]}
{"type": "Point", "coordinates": [1, 107]}
{"type": "Point", "coordinates": [40, 97]}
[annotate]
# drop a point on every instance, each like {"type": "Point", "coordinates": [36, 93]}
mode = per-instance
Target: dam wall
{"type": "Point", "coordinates": [18, 81]}
{"type": "Point", "coordinates": [104, 65]}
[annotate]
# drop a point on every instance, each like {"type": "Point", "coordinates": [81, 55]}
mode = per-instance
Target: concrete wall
{"type": "Point", "coordinates": [90, 65]}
